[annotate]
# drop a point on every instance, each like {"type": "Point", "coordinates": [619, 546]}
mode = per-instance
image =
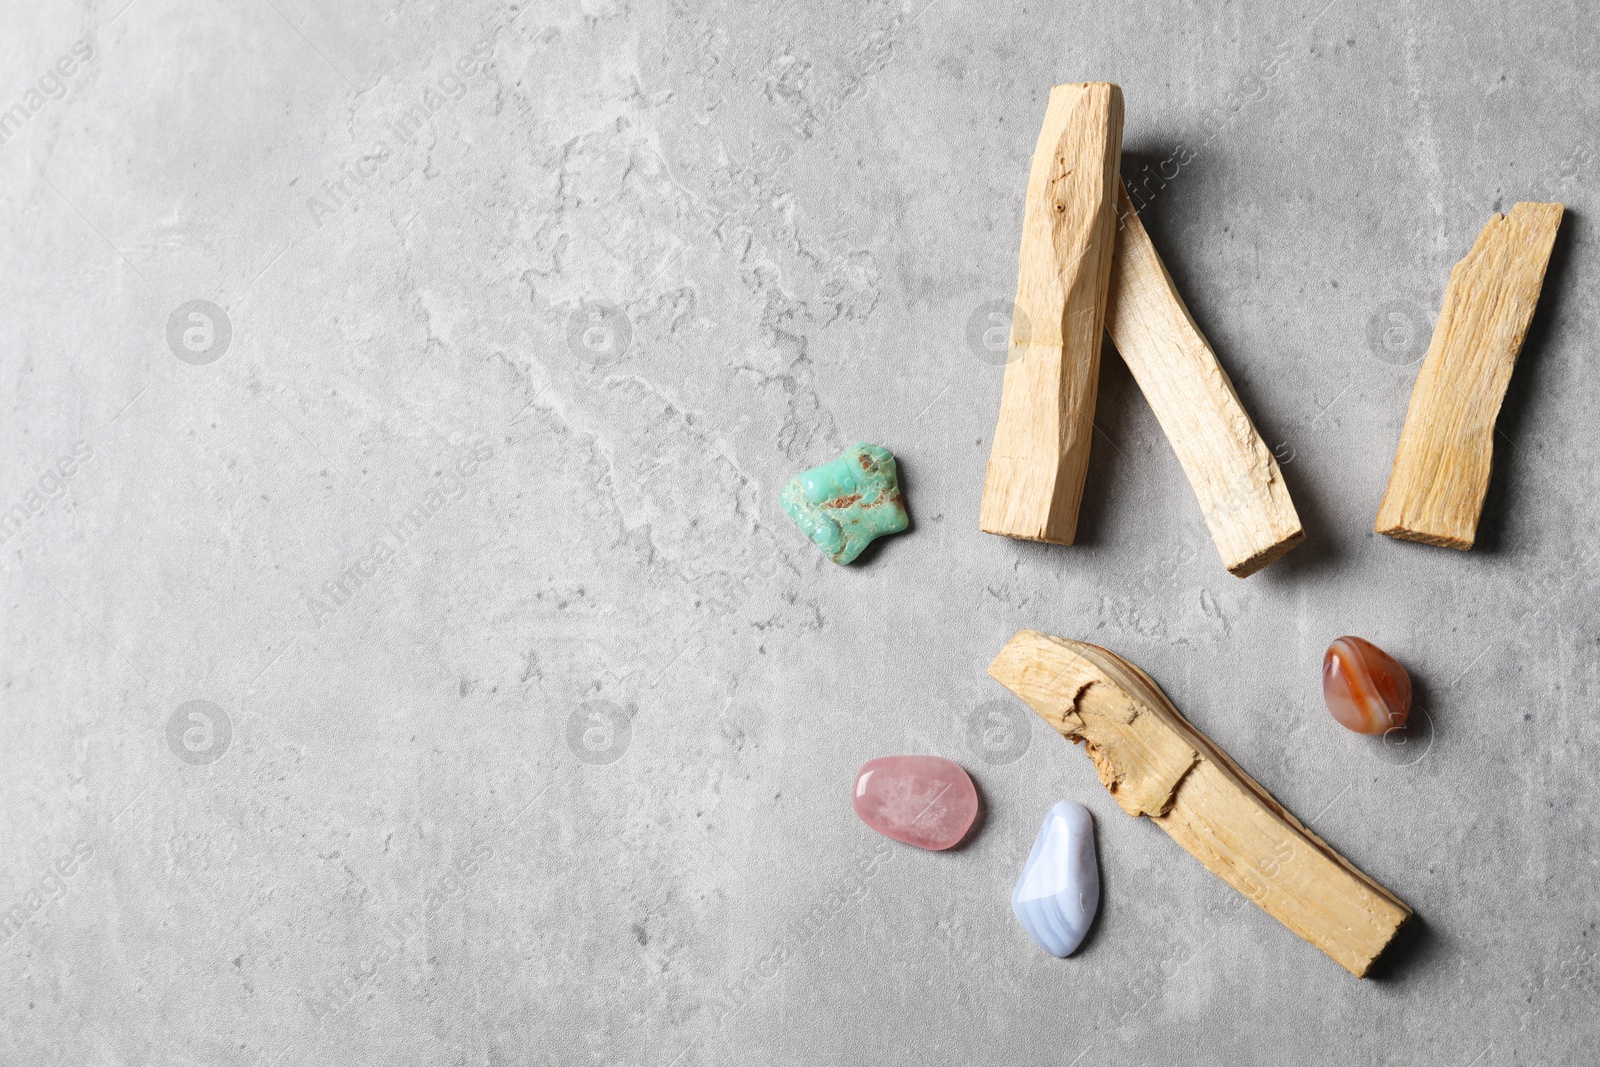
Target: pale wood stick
{"type": "Point", "coordinates": [1234, 475]}
{"type": "Point", "coordinates": [1155, 763]}
{"type": "Point", "coordinates": [1441, 468]}
{"type": "Point", "coordinates": [1040, 454]}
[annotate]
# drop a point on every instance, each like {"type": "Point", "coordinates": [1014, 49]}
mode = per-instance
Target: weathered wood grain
{"type": "Point", "coordinates": [1156, 764]}
{"type": "Point", "coordinates": [1040, 453]}
{"type": "Point", "coordinates": [1441, 468]}
{"type": "Point", "coordinates": [1234, 475]}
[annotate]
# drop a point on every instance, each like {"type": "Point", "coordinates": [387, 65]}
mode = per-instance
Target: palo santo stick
{"type": "Point", "coordinates": [1234, 475]}
{"type": "Point", "coordinates": [1041, 444]}
{"type": "Point", "coordinates": [1155, 763]}
{"type": "Point", "coordinates": [1441, 469]}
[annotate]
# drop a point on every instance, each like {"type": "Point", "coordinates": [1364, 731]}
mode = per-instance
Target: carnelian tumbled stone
{"type": "Point", "coordinates": [1364, 687]}
{"type": "Point", "coordinates": [927, 801]}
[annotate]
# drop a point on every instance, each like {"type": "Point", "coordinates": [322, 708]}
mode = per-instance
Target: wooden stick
{"type": "Point", "coordinates": [1040, 453]}
{"type": "Point", "coordinates": [1155, 763]}
{"type": "Point", "coordinates": [1234, 475]}
{"type": "Point", "coordinates": [1441, 469]}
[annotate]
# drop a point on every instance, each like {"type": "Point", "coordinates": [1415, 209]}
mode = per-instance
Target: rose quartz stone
{"type": "Point", "coordinates": [926, 801]}
{"type": "Point", "coordinates": [1364, 688]}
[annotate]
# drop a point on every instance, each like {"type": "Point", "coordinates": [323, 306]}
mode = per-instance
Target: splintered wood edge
{"type": "Point", "coordinates": [1267, 556]}
{"type": "Point", "coordinates": [1235, 477]}
{"type": "Point", "coordinates": [1054, 676]}
{"type": "Point", "coordinates": [1400, 533]}
{"type": "Point", "coordinates": [1440, 475]}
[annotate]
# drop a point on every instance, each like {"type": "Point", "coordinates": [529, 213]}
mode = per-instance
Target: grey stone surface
{"type": "Point", "coordinates": [421, 670]}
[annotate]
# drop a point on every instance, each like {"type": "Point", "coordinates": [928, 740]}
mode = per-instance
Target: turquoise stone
{"type": "Point", "coordinates": [844, 505]}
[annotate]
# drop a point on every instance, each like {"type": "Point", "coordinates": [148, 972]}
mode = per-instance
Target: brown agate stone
{"type": "Point", "coordinates": [1365, 689]}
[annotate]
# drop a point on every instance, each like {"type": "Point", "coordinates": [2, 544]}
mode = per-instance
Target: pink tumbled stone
{"type": "Point", "coordinates": [926, 801]}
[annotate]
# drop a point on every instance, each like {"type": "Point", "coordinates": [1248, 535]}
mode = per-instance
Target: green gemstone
{"type": "Point", "coordinates": [844, 505]}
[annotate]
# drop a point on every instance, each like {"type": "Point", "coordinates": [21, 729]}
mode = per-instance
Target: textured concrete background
{"type": "Point", "coordinates": [406, 659]}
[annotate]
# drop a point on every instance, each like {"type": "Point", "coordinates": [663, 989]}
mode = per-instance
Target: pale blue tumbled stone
{"type": "Point", "coordinates": [1059, 891]}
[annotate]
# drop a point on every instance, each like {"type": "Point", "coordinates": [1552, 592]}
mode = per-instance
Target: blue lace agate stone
{"type": "Point", "coordinates": [1059, 891]}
